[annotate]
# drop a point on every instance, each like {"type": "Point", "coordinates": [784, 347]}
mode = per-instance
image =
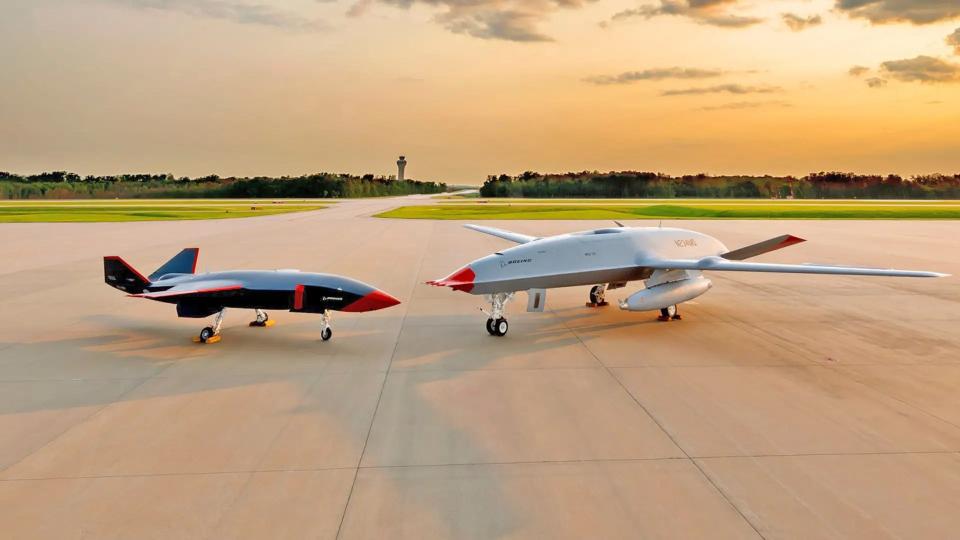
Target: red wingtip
{"type": "Point", "coordinates": [461, 280]}
{"type": "Point", "coordinates": [791, 240]}
{"type": "Point", "coordinates": [372, 301]}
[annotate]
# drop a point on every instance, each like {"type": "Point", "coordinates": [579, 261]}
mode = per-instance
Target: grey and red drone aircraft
{"type": "Point", "coordinates": [671, 262]}
{"type": "Point", "coordinates": [202, 295]}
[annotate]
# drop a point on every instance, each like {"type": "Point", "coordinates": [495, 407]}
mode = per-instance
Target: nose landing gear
{"type": "Point", "coordinates": [497, 325]}
{"type": "Point", "coordinates": [326, 332]}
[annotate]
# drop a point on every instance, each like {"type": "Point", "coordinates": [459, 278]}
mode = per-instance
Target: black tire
{"type": "Point", "coordinates": [500, 327]}
{"type": "Point", "coordinates": [595, 294]}
{"type": "Point", "coordinates": [490, 329]}
{"type": "Point", "coordinates": [206, 334]}
{"type": "Point", "coordinates": [326, 334]}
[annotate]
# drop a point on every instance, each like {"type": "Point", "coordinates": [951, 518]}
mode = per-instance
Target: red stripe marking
{"type": "Point", "coordinates": [196, 256]}
{"type": "Point", "coordinates": [298, 297]}
{"type": "Point", "coordinates": [125, 263]}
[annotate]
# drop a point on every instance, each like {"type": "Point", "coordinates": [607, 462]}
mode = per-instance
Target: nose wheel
{"type": "Point", "coordinates": [497, 327]}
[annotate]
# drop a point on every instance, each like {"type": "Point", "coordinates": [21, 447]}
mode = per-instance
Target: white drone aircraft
{"type": "Point", "coordinates": [670, 261]}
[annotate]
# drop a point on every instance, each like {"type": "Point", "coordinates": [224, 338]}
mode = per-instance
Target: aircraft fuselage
{"type": "Point", "coordinates": [584, 258]}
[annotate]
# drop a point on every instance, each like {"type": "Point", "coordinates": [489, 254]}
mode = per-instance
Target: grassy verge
{"type": "Point", "coordinates": [739, 210]}
{"type": "Point", "coordinates": [705, 202]}
{"type": "Point", "coordinates": [114, 211]}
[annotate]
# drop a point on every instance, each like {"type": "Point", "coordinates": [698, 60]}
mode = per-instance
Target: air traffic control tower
{"type": "Point", "coordinates": [401, 165]}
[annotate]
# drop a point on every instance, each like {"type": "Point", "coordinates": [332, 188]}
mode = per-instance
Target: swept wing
{"type": "Point", "coordinates": [500, 233]}
{"type": "Point", "coordinates": [724, 265]}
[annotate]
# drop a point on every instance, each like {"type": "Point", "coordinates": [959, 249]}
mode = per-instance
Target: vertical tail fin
{"type": "Point", "coordinates": [184, 262]}
{"type": "Point", "coordinates": [120, 275]}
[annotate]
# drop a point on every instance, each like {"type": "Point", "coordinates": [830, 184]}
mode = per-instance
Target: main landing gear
{"type": "Point", "coordinates": [211, 334]}
{"type": "Point", "coordinates": [326, 332]}
{"type": "Point", "coordinates": [669, 313]}
{"type": "Point", "coordinates": [598, 296]}
{"type": "Point", "coordinates": [263, 320]}
{"type": "Point", "coordinates": [496, 324]}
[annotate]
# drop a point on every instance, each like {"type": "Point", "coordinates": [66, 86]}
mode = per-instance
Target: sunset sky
{"type": "Point", "coordinates": [467, 88]}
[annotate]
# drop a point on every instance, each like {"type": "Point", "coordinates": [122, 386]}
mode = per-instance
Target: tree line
{"type": "Point", "coordinates": [67, 185]}
{"type": "Point", "coordinates": [635, 184]}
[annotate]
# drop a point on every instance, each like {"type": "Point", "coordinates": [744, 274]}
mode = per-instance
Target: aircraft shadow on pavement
{"type": "Point", "coordinates": [125, 350]}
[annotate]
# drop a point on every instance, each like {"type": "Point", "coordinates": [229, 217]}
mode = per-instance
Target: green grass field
{"type": "Point", "coordinates": [138, 210]}
{"type": "Point", "coordinates": [685, 210]}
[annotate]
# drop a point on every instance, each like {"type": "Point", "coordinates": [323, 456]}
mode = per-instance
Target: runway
{"type": "Point", "coordinates": [782, 406]}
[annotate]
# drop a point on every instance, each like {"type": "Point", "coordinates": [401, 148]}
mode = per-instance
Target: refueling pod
{"type": "Point", "coordinates": [666, 294]}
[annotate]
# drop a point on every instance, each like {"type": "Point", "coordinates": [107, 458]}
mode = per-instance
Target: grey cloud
{"type": "Point", "coordinates": [709, 12]}
{"type": "Point", "coordinates": [655, 74]}
{"type": "Point", "coordinates": [798, 23]}
{"type": "Point", "coordinates": [256, 14]}
{"type": "Point", "coordinates": [954, 41]}
{"type": "Point", "coordinates": [506, 25]}
{"type": "Point", "coordinates": [739, 105]}
{"type": "Point", "coordinates": [859, 71]}
{"type": "Point", "coordinates": [924, 69]}
{"type": "Point", "coordinates": [510, 20]}
{"type": "Point", "coordinates": [891, 11]}
{"type": "Point", "coordinates": [876, 82]}
{"type": "Point", "coordinates": [738, 89]}
{"type": "Point", "coordinates": [359, 8]}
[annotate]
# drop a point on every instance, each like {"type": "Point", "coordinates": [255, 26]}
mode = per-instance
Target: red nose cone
{"type": "Point", "coordinates": [372, 302]}
{"type": "Point", "coordinates": [461, 280]}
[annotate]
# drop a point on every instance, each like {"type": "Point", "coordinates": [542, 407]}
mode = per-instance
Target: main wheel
{"type": "Point", "coordinates": [206, 334]}
{"type": "Point", "coordinates": [500, 327]}
{"type": "Point", "coordinates": [266, 318]}
{"type": "Point", "coordinates": [595, 295]}
{"type": "Point", "coordinates": [672, 311]}
{"type": "Point", "coordinates": [490, 329]}
{"type": "Point", "coordinates": [326, 334]}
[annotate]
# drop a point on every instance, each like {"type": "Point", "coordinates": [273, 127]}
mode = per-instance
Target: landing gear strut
{"type": "Point", "coordinates": [326, 332]}
{"type": "Point", "coordinates": [598, 296]}
{"type": "Point", "coordinates": [669, 313]}
{"type": "Point", "coordinates": [211, 334]}
{"type": "Point", "coordinates": [262, 319]}
{"type": "Point", "coordinates": [496, 324]}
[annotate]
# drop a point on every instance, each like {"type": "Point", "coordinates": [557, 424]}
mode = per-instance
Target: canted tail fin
{"type": "Point", "coordinates": [120, 275]}
{"type": "Point", "coordinates": [184, 262]}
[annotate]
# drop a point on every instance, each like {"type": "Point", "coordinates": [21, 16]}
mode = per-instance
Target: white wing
{"type": "Point", "coordinates": [724, 265]}
{"type": "Point", "coordinates": [500, 233]}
